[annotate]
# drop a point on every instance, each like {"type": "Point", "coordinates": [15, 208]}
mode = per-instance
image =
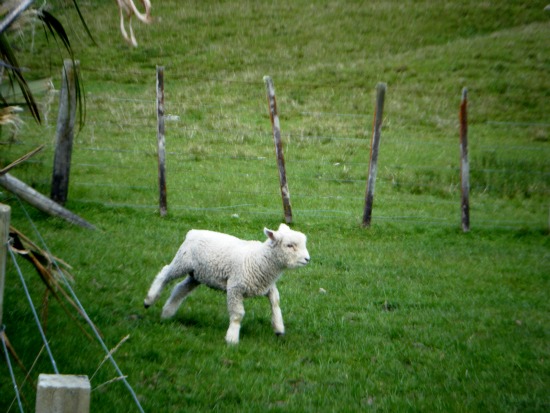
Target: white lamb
{"type": "Point", "coordinates": [241, 268]}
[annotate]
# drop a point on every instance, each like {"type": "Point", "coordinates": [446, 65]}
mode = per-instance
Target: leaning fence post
{"type": "Point", "coordinates": [285, 194]}
{"type": "Point", "coordinates": [464, 163]}
{"type": "Point", "coordinates": [375, 144]}
{"type": "Point", "coordinates": [42, 202]}
{"type": "Point", "coordinates": [64, 133]}
{"type": "Point", "coordinates": [161, 142]}
{"type": "Point", "coordinates": [4, 234]}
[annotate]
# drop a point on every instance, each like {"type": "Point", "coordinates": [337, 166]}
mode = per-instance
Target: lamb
{"type": "Point", "coordinates": [241, 268]}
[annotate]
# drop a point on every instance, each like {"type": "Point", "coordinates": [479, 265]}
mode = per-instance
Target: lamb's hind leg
{"type": "Point", "coordinates": [160, 281]}
{"type": "Point", "coordinates": [176, 269]}
{"type": "Point", "coordinates": [179, 293]}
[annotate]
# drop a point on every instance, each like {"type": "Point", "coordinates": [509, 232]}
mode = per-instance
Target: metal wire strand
{"type": "Point", "coordinates": [36, 319]}
{"type": "Point", "coordinates": [84, 313]}
{"type": "Point", "coordinates": [8, 361]}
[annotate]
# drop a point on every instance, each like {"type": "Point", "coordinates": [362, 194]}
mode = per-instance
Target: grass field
{"type": "Point", "coordinates": [411, 314]}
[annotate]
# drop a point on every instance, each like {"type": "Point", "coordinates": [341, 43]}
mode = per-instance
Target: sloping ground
{"type": "Point", "coordinates": [409, 315]}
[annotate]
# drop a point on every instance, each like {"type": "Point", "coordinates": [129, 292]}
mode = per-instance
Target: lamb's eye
{"type": "Point", "coordinates": [291, 246]}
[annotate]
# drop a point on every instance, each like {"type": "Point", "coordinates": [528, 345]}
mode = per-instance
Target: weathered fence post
{"type": "Point", "coordinates": [375, 144]}
{"type": "Point", "coordinates": [42, 202]}
{"type": "Point", "coordinates": [64, 133]}
{"type": "Point", "coordinates": [285, 194]}
{"type": "Point", "coordinates": [59, 393]}
{"type": "Point", "coordinates": [4, 234]}
{"type": "Point", "coordinates": [464, 163]}
{"type": "Point", "coordinates": [161, 142]}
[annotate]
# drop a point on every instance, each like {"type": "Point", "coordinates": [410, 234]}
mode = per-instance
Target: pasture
{"type": "Point", "coordinates": [410, 314]}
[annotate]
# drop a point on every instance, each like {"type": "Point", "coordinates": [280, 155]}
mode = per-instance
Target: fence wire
{"type": "Point", "coordinates": [326, 151]}
{"type": "Point", "coordinates": [10, 368]}
{"type": "Point", "coordinates": [83, 312]}
{"type": "Point", "coordinates": [33, 309]}
{"type": "Point", "coordinates": [75, 298]}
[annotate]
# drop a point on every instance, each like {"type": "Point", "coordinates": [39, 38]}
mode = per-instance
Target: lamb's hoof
{"type": "Point", "coordinates": [146, 305]}
{"type": "Point", "coordinates": [167, 313]}
{"type": "Point", "coordinates": [231, 339]}
{"type": "Point", "coordinates": [279, 334]}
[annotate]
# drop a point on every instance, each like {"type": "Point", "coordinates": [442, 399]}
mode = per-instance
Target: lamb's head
{"type": "Point", "coordinates": [289, 246]}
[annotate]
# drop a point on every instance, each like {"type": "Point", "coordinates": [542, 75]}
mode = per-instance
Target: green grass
{"type": "Point", "coordinates": [417, 316]}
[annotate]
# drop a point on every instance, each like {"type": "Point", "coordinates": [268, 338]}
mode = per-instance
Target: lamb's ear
{"type": "Point", "coordinates": [283, 227]}
{"type": "Point", "coordinates": [270, 234]}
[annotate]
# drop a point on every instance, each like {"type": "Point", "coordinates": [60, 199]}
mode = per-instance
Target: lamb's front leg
{"type": "Point", "coordinates": [236, 313]}
{"type": "Point", "coordinates": [276, 314]}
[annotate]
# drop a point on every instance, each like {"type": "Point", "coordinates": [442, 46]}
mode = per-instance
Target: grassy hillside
{"type": "Point", "coordinates": [408, 315]}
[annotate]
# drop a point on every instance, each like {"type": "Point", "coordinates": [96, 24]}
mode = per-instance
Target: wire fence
{"type": "Point", "coordinates": [82, 311]}
{"type": "Point", "coordinates": [220, 154]}
{"type": "Point", "coordinates": [220, 158]}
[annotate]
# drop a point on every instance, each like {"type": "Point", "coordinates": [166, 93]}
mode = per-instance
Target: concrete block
{"type": "Point", "coordinates": [58, 393]}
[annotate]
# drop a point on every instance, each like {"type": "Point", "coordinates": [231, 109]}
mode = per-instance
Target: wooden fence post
{"type": "Point", "coordinates": [59, 393]}
{"type": "Point", "coordinates": [64, 133]}
{"type": "Point", "coordinates": [161, 142]}
{"type": "Point", "coordinates": [4, 234]}
{"type": "Point", "coordinates": [375, 144]}
{"type": "Point", "coordinates": [42, 202]}
{"type": "Point", "coordinates": [285, 194]}
{"type": "Point", "coordinates": [464, 163]}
